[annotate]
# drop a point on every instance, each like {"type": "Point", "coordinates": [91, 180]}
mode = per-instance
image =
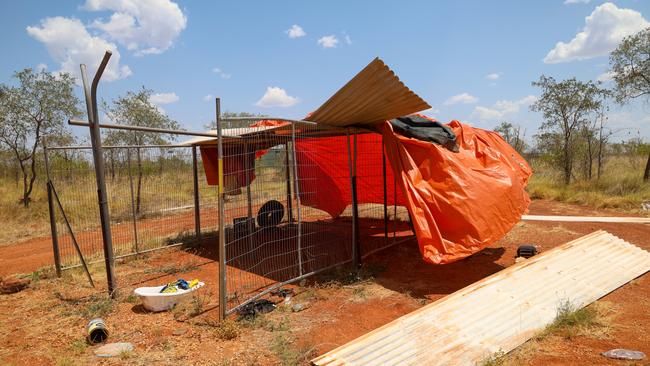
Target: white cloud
{"type": "Point", "coordinates": [493, 76]}
{"type": "Point", "coordinates": [41, 67]}
{"type": "Point", "coordinates": [142, 26]}
{"type": "Point", "coordinates": [69, 44]}
{"type": "Point", "coordinates": [569, 2]}
{"type": "Point", "coordinates": [295, 31]}
{"type": "Point", "coordinates": [606, 76]}
{"type": "Point", "coordinates": [220, 72]}
{"type": "Point", "coordinates": [502, 109]}
{"type": "Point", "coordinates": [276, 97]}
{"type": "Point", "coordinates": [208, 98]}
{"type": "Point", "coordinates": [163, 98]}
{"type": "Point", "coordinates": [348, 40]}
{"type": "Point", "coordinates": [328, 41]}
{"type": "Point", "coordinates": [464, 98]}
{"type": "Point", "coordinates": [604, 29]}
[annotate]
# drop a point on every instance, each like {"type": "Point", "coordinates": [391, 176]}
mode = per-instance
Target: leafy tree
{"type": "Point", "coordinates": [212, 125]}
{"type": "Point", "coordinates": [35, 108]}
{"type": "Point", "coordinates": [513, 135]}
{"type": "Point", "coordinates": [630, 67]}
{"type": "Point", "coordinates": [566, 107]}
{"type": "Point", "coordinates": [136, 109]}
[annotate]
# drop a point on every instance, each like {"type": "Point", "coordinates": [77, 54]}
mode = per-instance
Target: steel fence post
{"type": "Point", "coordinates": [197, 208]}
{"type": "Point", "coordinates": [222, 233]}
{"type": "Point", "coordinates": [50, 206]}
{"type": "Point", "coordinates": [288, 179]}
{"type": "Point", "coordinates": [383, 171]}
{"type": "Point", "coordinates": [296, 188]}
{"type": "Point", "coordinates": [133, 213]}
{"type": "Point", "coordinates": [353, 188]}
{"type": "Point", "coordinates": [98, 158]}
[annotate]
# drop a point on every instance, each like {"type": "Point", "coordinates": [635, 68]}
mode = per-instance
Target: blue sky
{"type": "Point", "coordinates": [471, 60]}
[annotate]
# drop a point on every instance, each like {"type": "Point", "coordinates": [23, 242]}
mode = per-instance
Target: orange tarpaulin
{"type": "Point", "coordinates": [459, 202]}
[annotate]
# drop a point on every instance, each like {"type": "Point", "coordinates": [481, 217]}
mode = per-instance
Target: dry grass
{"type": "Point", "coordinates": [620, 187]}
{"type": "Point", "coordinates": [227, 329]}
{"type": "Point", "coordinates": [592, 321]}
{"type": "Point", "coordinates": [78, 195]}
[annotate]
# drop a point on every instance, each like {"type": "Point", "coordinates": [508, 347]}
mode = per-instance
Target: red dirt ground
{"type": "Point", "coordinates": [336, 315]}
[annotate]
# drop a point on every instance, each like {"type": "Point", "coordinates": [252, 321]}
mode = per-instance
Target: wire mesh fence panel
{"type": "Point", "coordinates": [150, 196]}
{"type": "Point", "coordinates": [272, 238]}
{"type": "Point", "coordinates": [383, 220]}
{"type": "Point", "coordinates": [75, 200]}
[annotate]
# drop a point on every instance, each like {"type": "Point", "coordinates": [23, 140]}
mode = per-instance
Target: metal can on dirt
{"type": "Point", "coordinates": [96, 331]}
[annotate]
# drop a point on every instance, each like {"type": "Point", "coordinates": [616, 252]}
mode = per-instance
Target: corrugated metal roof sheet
{"type": "Point", "coordinates": [502, 311]}
{"type": "Point", "coordinates": [375, 94]}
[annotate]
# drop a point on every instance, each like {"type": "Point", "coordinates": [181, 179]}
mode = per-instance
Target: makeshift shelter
{"type": "Point", "coordinates": [459, 201]}
{"type": "Point", "coordinates": [463, 187]}
{"type": "Point", "coordinates": [322, 184]}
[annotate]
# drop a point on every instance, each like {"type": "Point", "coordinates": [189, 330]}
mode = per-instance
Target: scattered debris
{"type": "Point", "coordinates": [13, 285]}
{"type": "Point", "coordinates": [526, 250]}
{"type": "Point", "coordinates": [113, 349]}
{"type": "Point", "coordinates": [154, 299]}
{"type": "Point", "coordinates": [624, 354]}
{"type": "Point", "coordinates": [260, 306]}
{"type": "Point", "coordinates": [299, 307]}
{"type": "Point", "coordinates": [283, 292]}
{"type": "Point", "coordinates": [96, 331]}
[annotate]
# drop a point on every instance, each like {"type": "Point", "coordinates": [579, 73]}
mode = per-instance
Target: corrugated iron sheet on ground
{"type": "Point", "coordinates": [502, 311]}
{"type": "Point", "coordinates": [374, 95]}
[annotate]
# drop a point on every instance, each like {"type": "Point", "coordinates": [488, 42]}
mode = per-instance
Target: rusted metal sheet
{"type": "Point", "coordinates": [502, 311]}
{"type": "Point", "coordinates": [374, 95]}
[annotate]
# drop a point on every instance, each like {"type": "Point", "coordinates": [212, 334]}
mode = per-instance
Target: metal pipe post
{"type": "Point", "coordinates": [222, 227]}
{"type": "Point", "coordinates": [383, 171]}
{"type": "Point", "coordinates": [394, 205]}
{"type": "Point", "coordinates": [197, 208]}
{"type": "Point", "coordinates": [296, 188]}
{"type": "Point", "coordinates": [134, 217]}
{"type": "Point", "coordinates": [249, 196]}
{"type": "Point", "coordinates": [50, 206]}
{"type": "Point", "coordinates": [98, 158]}
{"type": "Point", "coordinates": [288, 179]}
{"type": "Point", "coordinates": [353, 188]}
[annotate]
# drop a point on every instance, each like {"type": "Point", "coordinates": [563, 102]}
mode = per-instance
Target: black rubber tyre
{"type": "Point", "coordinates": [270, 214]}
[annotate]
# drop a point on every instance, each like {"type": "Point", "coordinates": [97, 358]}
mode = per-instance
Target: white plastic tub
{"type": "Point", "coordinates": [153, 300]}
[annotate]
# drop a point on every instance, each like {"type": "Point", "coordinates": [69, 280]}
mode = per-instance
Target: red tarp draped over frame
{"type": "Point", "coordinates": [459, 202]}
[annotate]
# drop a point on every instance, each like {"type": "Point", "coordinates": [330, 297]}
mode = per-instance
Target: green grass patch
{"type": "Point", "coordinates": [571, 321]}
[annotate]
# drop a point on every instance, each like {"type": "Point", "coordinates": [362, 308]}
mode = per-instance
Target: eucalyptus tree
{"type": "Point", "coordinates": [136, 109]}
{"type": "Point", "coordinates": [567, 106]}
{"type": "Point", "coordinates": [36, 107]}
{"type": "Point", "coordinates": [630, 70]}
